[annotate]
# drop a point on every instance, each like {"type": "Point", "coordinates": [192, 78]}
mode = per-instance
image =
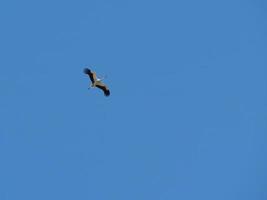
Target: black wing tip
{"type": "Point", "coordinates": [107, 93]}
{"type": "Point", "coordinates": [86, 71]}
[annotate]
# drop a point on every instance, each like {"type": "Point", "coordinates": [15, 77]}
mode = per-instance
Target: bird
{"type": "Point", "coordinates": [96, 82]}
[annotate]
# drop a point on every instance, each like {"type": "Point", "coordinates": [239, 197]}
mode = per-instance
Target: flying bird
{"type": "Point", "coordinates": [96, 82]}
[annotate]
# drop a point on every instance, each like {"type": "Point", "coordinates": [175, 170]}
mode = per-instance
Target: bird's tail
{"type": "Point", "coordinates": [87, 71]}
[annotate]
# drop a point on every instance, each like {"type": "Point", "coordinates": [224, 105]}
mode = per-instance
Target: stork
{"type": "Point", "coordinates": [96, 82]}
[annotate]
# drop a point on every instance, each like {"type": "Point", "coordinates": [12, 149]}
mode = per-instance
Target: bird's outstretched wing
{"type": "Point", "coordinates": [103, 87]}
{"type": "Point", "coordinates": [92, 75]}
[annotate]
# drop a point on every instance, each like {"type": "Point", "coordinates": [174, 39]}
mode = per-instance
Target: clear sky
{"type": "Point", "coordinates": [187, 115]}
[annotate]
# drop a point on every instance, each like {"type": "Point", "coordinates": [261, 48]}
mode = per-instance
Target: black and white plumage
{"type": "Point", "coordinates": [96, 82]}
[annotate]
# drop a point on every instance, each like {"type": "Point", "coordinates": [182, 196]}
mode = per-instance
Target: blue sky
{"type": "Point", "coordinates": [187, 115]}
